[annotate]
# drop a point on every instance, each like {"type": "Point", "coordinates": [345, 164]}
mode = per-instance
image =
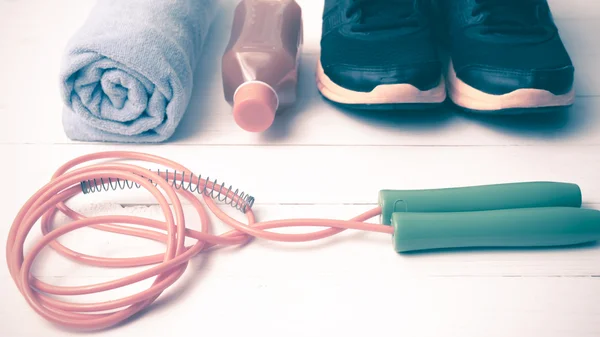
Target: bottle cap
{"type": "Point", "coordinates": [254, 106]}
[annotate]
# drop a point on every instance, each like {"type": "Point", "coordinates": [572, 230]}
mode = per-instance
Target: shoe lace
{"type": "Point", "coordinates": [510, 16]}
{"type": "Point", "coordinates": [374, 15]}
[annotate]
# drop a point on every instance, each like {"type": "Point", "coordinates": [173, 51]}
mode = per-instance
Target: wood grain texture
{"type": "Point", "coordinates": [334, 174]}
{"type": "Point", "coordinates": [317, 161]}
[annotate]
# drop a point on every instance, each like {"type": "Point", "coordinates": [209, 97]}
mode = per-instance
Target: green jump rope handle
{"type": "Point", "coordinates": [479, 198]}
{"type": "Point", "coordinates": [528, 227]}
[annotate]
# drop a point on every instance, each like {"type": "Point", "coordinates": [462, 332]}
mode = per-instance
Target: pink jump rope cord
{"type": "Point", "coordinates": [168, 267]}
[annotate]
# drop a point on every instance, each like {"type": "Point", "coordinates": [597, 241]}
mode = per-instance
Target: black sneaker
{"type": "Point", "coordinates": [379, 54]}
{"type": "Point", "coordinates": [506, 56]}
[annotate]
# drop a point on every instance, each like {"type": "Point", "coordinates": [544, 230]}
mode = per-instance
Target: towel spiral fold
{"type": "Point", "coordinates": [127, 73]}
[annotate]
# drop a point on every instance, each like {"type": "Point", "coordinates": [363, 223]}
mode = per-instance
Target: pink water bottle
{"type": "Point", "coordinates": [260, 63]}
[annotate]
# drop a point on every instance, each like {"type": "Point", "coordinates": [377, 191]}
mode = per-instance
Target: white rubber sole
{"type": "Point", "coordinates": [382, 94]}
{"type": "Point", "coordinates": [470, 98]}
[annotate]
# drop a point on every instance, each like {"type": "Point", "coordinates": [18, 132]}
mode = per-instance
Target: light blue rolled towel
{"type": "Point", "coordinates": [127, 73]}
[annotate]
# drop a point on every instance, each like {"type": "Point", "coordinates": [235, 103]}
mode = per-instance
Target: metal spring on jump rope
{"type": "Point", "coordinates": [211, 188]}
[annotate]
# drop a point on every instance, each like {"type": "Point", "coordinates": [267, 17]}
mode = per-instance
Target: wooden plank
{"type": "Point", "coordinates": [330, 174]}
{"type": "Point", "coordinates": [299, 304]}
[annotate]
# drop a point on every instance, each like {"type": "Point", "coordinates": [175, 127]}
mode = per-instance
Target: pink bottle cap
{"type": "Point", "coordinates": [254, 106]}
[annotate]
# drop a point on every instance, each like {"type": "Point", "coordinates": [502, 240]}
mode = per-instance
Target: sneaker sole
{"type": "Point", "coordinates": [382, 97]}
{"type": "Point", "coordinates": [515, 102]}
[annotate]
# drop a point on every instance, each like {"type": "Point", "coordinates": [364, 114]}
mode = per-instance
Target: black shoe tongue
{"type": "Point", "coordinates": [512, 17]}
{"type": "Point", "coordinates": [384, 12]}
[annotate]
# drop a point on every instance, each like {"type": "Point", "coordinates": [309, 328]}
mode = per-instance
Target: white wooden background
{"type": "Point", "coordinates": [317, 161]}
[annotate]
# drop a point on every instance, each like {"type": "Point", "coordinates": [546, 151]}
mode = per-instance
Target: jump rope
{"type": "Point", "coordinates": [502, 215]}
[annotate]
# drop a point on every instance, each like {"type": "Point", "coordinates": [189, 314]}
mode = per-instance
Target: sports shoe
{"type": "Point", "coordinates": [379, 54]}
{"type": "Point", "coordinates": [506, 56]}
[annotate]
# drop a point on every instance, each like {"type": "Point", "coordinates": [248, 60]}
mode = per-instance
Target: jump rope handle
{"type": "Point", "coordinates": [531, 214]}
{"type": "Point", "coordinates": [479, 198]}
{"type": "Point", "coordinates": [525, 227]}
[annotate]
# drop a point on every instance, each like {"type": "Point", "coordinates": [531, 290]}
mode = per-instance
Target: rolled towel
{"type": "Point", "coordinates": [127, 73]}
